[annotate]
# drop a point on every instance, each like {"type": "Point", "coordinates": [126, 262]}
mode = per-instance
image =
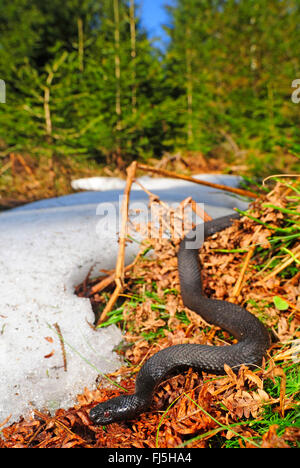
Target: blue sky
{"type": "Point", "coordinates": [153, 15]}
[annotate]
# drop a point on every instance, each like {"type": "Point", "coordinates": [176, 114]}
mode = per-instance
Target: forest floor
{"type": "Point", "coordinates": [254, 263]}
{"type": "Point", "coordinates": [25, 179]}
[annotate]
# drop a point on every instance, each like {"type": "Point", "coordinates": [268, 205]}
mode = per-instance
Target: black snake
{"type": "Point", "coordinates": [253, 338]}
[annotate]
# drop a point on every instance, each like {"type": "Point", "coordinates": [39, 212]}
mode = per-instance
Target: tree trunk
{"type": "Point", "coordinates": [117, 63]}
{"type": "Point", "coordinates": [80, 43]}
{"type": "Point", "coordinates": [118, 157]}
{"type": "Point", "coordinates": [133, 54]}
{"type": "Point", "coordinates": [189, 87]}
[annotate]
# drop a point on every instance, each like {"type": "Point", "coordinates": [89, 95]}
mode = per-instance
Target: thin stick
{"type": "Point", "coordinates": [155, 199]}
{"type": "Point", "coordinates": [283, 265]}
{"type": "Point", "coordinates": [239, 284]}
{"type": "Point", "coordinates": [200, 212]}
{"type": "Point", "coordinates": [124, 213]}
{"type": "Point", "coordinates": [57, 328]}
{"type": "Point", "coordinates": [110, 278]}
{"type": "Point", "coordinates": [26, 167]}
{"type": "Point", "coordinates": [119, 272]}
{"type": "Point", "coordinates": [195, 206]}
{"type": "Point", "coordinates": [165, 173]}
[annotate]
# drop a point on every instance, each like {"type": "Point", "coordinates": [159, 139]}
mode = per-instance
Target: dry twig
{"type": "Point", "coordinates": [57, 328]}
{"type": "Point", "coordinates": [119, 273]}
{"type": "Point", "coordinates": [239, 284]}
{"type": "Point", "coordinates": [109, 279]}
{"type": "Point", "coordinates": [237, 191]}
{"type": "Point", "coordinates": [283, 265]}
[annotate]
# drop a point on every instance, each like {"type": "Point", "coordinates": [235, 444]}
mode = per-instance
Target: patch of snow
{"type": "Point", "coordinates": [115, 183]}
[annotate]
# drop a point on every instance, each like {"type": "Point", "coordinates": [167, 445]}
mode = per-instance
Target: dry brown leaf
{"type": "Point", "coordinates": [245, 403]}
{"type": "Point", "coordinates": [252, 377]}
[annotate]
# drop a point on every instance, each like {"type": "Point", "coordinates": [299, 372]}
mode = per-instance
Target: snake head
{"type": "Point", "coordinates": [102, 413]}
{"type": "Point", "coordinates": [120, 408]}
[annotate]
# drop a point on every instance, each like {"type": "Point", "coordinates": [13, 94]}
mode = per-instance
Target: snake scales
{"type": "Point", "coordinates": [252, 336]}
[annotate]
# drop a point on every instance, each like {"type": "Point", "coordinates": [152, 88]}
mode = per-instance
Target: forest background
{"type": "Point", "coordinates": [86, 89]}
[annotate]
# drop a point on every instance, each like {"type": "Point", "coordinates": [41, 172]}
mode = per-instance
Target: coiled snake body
{"type": "Point", "coordinates": [253, 338]}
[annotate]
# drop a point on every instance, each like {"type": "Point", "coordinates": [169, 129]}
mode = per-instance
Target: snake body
{"type": "Point", "coordinates": [253, 338]}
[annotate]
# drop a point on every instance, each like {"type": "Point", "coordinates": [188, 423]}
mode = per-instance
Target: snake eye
{"type": "Point", "coordinates": [106, 414]}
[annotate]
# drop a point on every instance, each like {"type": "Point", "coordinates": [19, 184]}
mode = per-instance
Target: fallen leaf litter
{"type": "Point", "coordinates": [198, 407]}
